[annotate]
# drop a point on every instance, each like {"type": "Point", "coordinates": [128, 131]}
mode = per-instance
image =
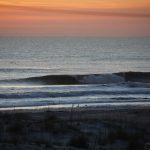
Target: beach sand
{"type": "Point", "coordinates": [93, 128]}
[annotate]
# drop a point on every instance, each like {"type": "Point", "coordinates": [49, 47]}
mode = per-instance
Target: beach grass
{"type": "Point", "coordinates": [93, 129]}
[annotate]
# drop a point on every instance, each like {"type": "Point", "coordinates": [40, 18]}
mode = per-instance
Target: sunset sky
{"type": "Point", "coordinates": [75, 17]}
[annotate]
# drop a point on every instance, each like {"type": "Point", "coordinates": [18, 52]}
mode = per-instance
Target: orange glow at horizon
{"type": "Point", "coordinates": [75, 17]}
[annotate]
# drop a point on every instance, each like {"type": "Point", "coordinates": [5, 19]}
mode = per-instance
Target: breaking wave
{"type": "Point", "coordinates": [143, 77]}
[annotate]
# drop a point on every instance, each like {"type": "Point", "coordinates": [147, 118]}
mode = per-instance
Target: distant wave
{"type": "Point", "coordinates": [143, 77]}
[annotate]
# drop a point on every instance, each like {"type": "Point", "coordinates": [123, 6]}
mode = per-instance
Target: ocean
{"type": "Point", "coordinates": [37, 72]}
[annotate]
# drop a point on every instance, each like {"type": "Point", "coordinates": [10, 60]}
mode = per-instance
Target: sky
{"type": "Point", "coordinates": [74, 17]}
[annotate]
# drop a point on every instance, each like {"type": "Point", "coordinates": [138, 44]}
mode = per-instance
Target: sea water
{"type": "Point", "coordinates": [25, 57]}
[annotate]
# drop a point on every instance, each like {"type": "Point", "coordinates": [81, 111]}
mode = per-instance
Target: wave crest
{"type": "Point", "coordinates": [143, 77]}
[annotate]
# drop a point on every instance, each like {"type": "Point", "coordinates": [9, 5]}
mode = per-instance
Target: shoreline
{"type": "Point", "coordinates": [75, 107]}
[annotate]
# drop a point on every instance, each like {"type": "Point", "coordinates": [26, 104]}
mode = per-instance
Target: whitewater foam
{"type": "Point", "coordinates": [101, 79]}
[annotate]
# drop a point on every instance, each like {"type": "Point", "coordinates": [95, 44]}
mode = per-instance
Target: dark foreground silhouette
{"type": "Point", "coordinates": [74, 129]}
